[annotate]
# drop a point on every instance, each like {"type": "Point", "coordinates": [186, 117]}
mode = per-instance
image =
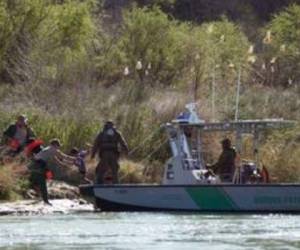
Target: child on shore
{"type": "Point", "coordinates": [80, 163]}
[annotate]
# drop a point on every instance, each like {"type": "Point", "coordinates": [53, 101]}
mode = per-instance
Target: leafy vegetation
{"type": "Point", "coordinates": [43, 40]}
{"type": "Point", "coordinates": [284, 29]}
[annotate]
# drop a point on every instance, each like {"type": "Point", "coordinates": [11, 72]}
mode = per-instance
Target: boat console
{"type": "Point", "coordinates": [186, 166]}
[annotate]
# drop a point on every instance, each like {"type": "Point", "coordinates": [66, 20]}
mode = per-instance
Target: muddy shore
{"type": "Point", "coordinates": [36, 207]}
{"type": "Point", "coordinates": [63, 197]}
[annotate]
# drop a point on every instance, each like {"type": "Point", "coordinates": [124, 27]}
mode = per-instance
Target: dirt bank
{"type": "Point", "coordinates": [59, 206]}
{"type": "Point", "coordinates": [64, 198]}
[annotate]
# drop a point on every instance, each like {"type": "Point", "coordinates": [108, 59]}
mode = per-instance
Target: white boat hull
{"type": "Point", "coordinates": [265, 198]}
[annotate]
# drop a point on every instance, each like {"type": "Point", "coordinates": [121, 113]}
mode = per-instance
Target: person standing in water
{"type": "Point", "coordinates": [107, 144]}
{"type": "Point", "coordinates": [42, 162]}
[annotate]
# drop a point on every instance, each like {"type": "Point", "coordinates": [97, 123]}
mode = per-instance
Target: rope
{"type": "Point", "coordinates": [149, 156]}
{"type": "Point", "coordinates": [152, 153]}
{"type": "Point", "coordinates": [143, 142]}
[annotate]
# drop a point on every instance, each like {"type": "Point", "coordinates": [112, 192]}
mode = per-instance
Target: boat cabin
{"type": "Point", "coordinates": [187, 166]}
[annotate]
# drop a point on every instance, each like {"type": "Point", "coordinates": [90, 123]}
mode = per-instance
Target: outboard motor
{"type": "Point", "coordinates": [250, 173]}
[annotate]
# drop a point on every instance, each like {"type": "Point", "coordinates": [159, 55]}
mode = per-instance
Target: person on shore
{"type": "Point", "coordinates": [80, 163]}
{"type": "Point", "coordinates": [17, 135]}
{"type": "Point", "coordinates": [43, 161]}
{"type": "Point", "coordinates": [33, 147]}
{"type": "Point", "coordinates": [107, 144]}
{"type": "Point", "coordinates": [225, 166]}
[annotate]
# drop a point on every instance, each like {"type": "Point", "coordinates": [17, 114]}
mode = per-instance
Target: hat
{"type": "Point", "coordinates": [74, 151]}
{"type": "Point", "coordinates": [22, 118]}
{"type": "Point", "coordinates": [55, 142]}
{"type": "Point", "coordinates": [108, 124]}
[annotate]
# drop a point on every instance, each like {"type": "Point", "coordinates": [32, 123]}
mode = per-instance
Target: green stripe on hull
{"type": "Point", "coordinates": [211, 198]}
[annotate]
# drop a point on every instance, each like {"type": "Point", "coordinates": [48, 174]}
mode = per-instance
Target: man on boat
{"type": "Point", "coordinates": [225, 166]}
{"type": "Point", "coordinates": [17, 135]}
{"type": "Point", "coordinates": [43, 162]}
{"type": "Point", "coordinates": [107, 144]}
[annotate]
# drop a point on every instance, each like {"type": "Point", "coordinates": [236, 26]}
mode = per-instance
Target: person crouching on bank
{"type": "Point", "coordinates": [43, 161]}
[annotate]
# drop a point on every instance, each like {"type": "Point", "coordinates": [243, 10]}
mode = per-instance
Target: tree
{"type": "Point", "coordinates": [284, 31]}
{"type": "Point", "coordinates": [19, 22]}
{"type": "Point", "coordinates": [157, 42]}
{"type": "Point", "coordinates": [64, 41]}
{"type": "Point", "coordinates": [216, 51]}
{"type": "Point", "coordinates": [36, 34]}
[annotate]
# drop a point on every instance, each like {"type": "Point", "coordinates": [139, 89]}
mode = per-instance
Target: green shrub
{"type": "Point", "coordinates": [284, 46]}
{"type": "Point", "coordinates": [43, 39]}
{"type": "Point", "coordinates": [148, 36]}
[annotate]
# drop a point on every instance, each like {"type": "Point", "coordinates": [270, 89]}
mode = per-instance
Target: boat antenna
{"type": "Point", "coordinates": [213, 93]}
{"type": "Point", "coordinates": [237, 100]}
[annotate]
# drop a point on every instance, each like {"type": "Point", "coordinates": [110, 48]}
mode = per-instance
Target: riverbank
{"type": "Point", "coordinates": [64, 198]}
{"type": "Point", "coordinates": [37, 207]}
{"type": "Point", "coordinates": [14, 179]}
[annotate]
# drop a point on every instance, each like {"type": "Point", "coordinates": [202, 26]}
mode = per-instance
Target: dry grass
{"type": "Point", "coordinates": [77, 121]}
{"type": "Point", "coordinates": [12, 180]}
{"type": "Point", "coordinates": [7, 183]}
{"type": "Point", "coordinates": [131, 172]}
{"type": "Point", "coordinates": [281, 155]}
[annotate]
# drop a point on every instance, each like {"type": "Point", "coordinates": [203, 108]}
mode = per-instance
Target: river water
{"type": "Point", "coordinates": [149, 231]}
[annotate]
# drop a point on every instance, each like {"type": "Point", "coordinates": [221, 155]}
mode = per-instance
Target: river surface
{"type": "Point", "coordinates": [149, 231]}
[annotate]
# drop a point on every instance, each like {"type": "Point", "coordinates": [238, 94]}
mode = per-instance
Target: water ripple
{"type": "Point", "coordinates": [149, 231]}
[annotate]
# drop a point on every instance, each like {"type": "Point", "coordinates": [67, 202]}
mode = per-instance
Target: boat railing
{"type": "Point", "coordinates": [190, 164]}
{"type": "Point", "coordinates": [243, 126]}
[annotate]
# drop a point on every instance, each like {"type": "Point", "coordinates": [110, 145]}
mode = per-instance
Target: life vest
{"type": "Point", "coordinates": [109, 140]}
{"type": "Point", "coordinates": [49, 175]}
{"type": "Point", "coordinates": [265, 175]}
{"type": "Point", "coordinates": [32, 146]}
{"type": "Point", "coordinates": [12, 134]}
{"type": "Point", "coordinates": [14, 144]}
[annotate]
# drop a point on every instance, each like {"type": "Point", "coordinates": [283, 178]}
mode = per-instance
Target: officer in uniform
{"type": "Point", "coordinates": [225, 166]}
{"type": "Point", "coordinates": [107, 145]}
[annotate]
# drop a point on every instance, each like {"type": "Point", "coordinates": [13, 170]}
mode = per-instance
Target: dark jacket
{"type": "Point", "coordinates": [109, 140]}
{"type": "Point", "coordinates": [226, 162]}
{"type": "Point", "coordinates": [10, 132]}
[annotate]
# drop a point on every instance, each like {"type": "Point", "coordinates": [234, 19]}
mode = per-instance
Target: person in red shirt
{"type": "Point", "coordinates": [18, 135]}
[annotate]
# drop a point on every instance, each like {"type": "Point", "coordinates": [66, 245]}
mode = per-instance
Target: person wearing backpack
{"type": "Point", "coordinates": [108, 145]}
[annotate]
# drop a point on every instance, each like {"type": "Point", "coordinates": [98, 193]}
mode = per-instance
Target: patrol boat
{"type": "Point", "coordinates": [187, 185]}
